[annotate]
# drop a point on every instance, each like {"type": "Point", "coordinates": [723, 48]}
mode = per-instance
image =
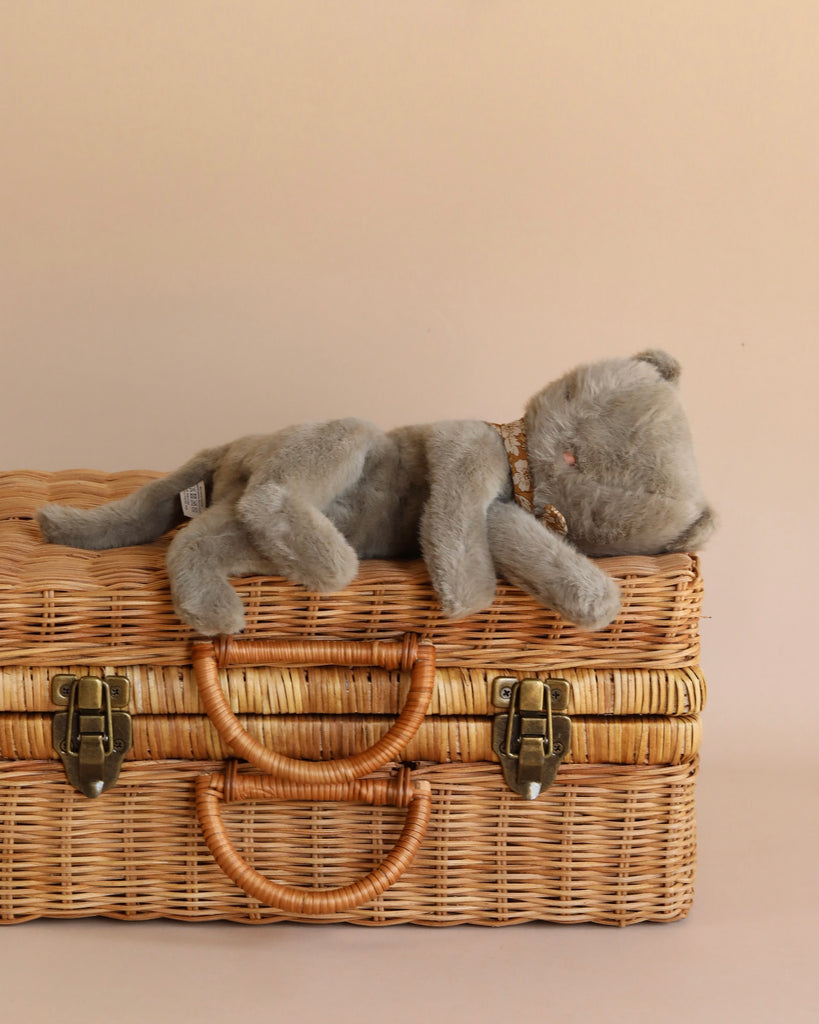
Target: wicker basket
{"type": "Point", "coordinates": [604, 844]}
{"type": "Point", "coordinates": [340, 830]}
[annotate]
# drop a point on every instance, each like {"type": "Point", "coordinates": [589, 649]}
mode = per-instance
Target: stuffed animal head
{"type": "Point", "coordinates": [610, 447]}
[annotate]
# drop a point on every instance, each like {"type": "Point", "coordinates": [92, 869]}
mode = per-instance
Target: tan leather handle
{"type": "Point", "coordinates": [207, 657]}
{"type": "Point", "coordinates": [211, 790]}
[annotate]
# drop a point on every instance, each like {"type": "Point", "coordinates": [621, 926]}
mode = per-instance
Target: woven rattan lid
{"type": "Point", "coordinates": [65, 606]}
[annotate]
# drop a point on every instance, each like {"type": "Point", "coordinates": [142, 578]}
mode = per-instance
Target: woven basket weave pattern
{"type": "Point", "coordinates": [603, 845]}
{"type": "Point", "coordinates": [335, 690]}
{"type": "Point", "coordinates": [61, 605]}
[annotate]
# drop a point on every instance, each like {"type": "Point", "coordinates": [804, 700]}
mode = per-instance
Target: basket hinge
{"type": "Point", "coordinates": [530, 736]}
{"type": "Point", "coordinates": [94, 734]}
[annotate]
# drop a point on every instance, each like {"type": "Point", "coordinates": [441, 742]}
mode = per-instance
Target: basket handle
{"type": "Point", "coordinates": [211, 790]}
{"type": "Point", "coordinates": [409, 653]}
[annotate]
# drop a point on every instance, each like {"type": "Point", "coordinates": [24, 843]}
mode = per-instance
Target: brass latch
{"type": "Point", "coordinates": [94, 734]}
{"type": "Point", "coordinates": [530, 735]}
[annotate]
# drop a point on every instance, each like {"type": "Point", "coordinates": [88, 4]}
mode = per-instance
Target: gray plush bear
{"type": "Point", "coordinates": [610, 470]}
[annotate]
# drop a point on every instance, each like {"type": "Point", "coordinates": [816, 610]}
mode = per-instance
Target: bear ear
{"type": "Point", "coordinates": [693, 538]}
{"type": "Point", "coordinates": [668, 366]}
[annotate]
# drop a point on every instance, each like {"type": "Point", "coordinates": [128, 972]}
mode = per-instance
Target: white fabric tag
{"type": "Point", "coordinates": [193, 499]}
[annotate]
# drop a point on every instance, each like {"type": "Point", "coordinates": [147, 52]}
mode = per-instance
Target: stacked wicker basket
{"type": "Point", "coordinates": [373, 792]}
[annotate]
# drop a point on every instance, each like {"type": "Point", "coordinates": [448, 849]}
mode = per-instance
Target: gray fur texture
{"type": "Point", "coordinates": [309, 501]}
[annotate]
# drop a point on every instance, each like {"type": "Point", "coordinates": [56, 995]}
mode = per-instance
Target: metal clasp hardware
{"type": "Point", "coordinates": [94, 734]}
{"type": "Point", "coordinates": [529, 735]}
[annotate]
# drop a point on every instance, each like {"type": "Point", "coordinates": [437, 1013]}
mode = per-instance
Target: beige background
{"type": "Point", "coordinates": [218, 218]}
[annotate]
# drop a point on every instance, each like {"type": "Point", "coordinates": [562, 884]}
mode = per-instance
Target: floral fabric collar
{"type": "Point", "coordinates": [513, 436]}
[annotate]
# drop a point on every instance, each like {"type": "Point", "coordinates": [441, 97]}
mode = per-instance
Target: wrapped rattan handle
{"type": "Point", "coordinates": [211, 790]}
{"type": "Point", "coordinates": [409, 653]}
